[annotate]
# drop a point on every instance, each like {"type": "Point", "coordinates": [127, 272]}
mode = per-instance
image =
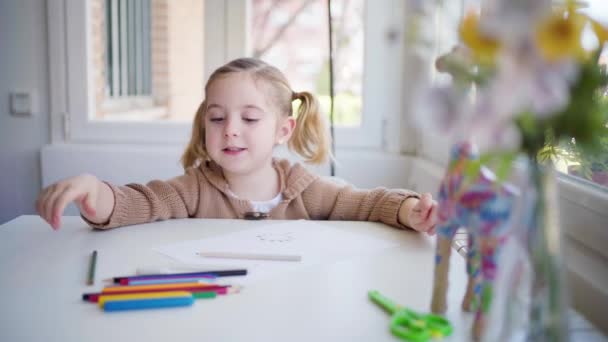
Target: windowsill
{"type": "Point", "coordinates": [137, 114]}
{"type": "Point", "coordinates": [584, 193]}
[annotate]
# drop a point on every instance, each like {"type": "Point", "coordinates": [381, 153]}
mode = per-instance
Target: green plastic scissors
{"type": "Point", "coordinates": [412, 326]}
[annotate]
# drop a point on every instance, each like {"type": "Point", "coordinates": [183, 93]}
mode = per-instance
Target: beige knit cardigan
{"type": "Point", "coordinates": [202, 192]}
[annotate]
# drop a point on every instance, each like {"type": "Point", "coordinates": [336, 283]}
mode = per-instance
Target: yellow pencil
{"type": "Point", "coordinates": [147, 295]}
{"type": "Point", "coordinates": [136, 288]}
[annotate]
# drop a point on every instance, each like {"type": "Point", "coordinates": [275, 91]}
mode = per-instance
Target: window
{"type": "Point", "coordinates": [126, 71]}
{"type": "Point", "coordinates": [590, 169]}
{"type": "Point", "coordinates": [135, 70]}
{"type": "Point", "coordinates": [127, 49]}
{"type": "Point", "coordinates": [439, 33]}
{"type": "Point", "coordinates": [367, 40]}
{"type": "Point", "coordinates": [143, 69]}
{"type": "Point", "coordinates": [293, 36]}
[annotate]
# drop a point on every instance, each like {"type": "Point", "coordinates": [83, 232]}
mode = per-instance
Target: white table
{"type": "Point", "coordinates": [44, 274]}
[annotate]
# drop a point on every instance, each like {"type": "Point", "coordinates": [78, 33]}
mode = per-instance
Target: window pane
{"type": "Point", "coordinates": [446, 16]}
{"type": "Point", "coordinates": [147, 58]}
{"type": "Point", "coordinates": [593, 168]}
{"type": "Point", "coordinates": [293, 36]}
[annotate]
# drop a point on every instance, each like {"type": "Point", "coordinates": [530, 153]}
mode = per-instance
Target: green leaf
{"type": "Point", "coordinates": [504, 166]}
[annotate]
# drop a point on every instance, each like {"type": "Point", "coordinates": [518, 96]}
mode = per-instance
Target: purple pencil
{"type": "Point", "coordinates": [207, 274]}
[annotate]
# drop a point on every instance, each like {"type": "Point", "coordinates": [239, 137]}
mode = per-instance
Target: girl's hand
{"type": "Point", "coordinates": [420, 214]}
{"type": "Point", "coordinates": [91, 196]}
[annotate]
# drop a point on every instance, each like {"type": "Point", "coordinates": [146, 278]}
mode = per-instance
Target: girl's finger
{"type": "Point", "coordinates": [426, 225]}
{"type": "Point", "coordinates": [68, 195]}
{"type": "Point", "coordinates": [54, 201]}
{"type": "Point", "coordinates": [419, 224]}
{"type": "Point", "coordinates": [424, 204]}
{"type": "Point", "coordinates": [432, 213]}
{"type": "Point", "coordinates": [87, 204]}
{"type": "Point", "coordinates": [39, 202]}
{"type": "Point", "coordinates": [48, 203]}
{"type": "Point", "coordinates": [430, 219]}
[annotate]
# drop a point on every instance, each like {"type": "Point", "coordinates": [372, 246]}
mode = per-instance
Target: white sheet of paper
{"type": "Point", "coordinates": [314, 242]}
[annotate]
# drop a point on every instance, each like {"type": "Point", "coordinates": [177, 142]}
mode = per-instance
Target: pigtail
{"type": "Point", "coordinates": [310, 138]}
{"type": "Point", "coordinates": [195, 151]}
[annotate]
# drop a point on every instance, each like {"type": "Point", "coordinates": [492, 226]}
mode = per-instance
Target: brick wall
{"type": "Point", "coordinates": [185, 52]}
{"type": "Point", "coordinates": [98, 41]}
{"type": "Point", "coordinates": [176, 61]}
{"type": "Point", "coordinates": [160, 53]}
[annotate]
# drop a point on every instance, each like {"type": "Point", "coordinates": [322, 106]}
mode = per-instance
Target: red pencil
{"type": "Point", "coordinates": [175, 287]}
{"type": "Point", "coordinates": [219, 289]}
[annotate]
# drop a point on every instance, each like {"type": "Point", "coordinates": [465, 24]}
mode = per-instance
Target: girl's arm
{"type": "Point", "coordinates": [104, 205]}
{"type": "Point", "coordinates": [93, 198]}
{"type": "Point", "coordinates": [325, 200]}
{"type": "Point", "coordinates": [154, 201]}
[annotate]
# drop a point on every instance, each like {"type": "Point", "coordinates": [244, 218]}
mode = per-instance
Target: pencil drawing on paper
{"type": "Point", "coordinates": [275, 237]}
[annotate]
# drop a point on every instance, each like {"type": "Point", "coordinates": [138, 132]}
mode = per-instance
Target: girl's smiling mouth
{"type": "Point", "coordinates": [233, 150]}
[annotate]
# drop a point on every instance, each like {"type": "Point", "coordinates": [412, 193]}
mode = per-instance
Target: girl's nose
{"type": "Point", "coordinates": [231, 129]}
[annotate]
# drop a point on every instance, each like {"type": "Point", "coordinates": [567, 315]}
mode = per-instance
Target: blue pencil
{"type": "Point", "coordinates": [152, 303]}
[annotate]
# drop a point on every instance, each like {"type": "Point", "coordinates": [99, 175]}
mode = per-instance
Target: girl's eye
{"type": "Point", "coordinates": [216, 119]}
{"type": "Point", "coordinates": [251, 120]}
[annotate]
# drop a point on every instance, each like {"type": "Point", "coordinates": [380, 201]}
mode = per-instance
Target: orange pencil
{"type": "Point", "coordinates": [139, 288]}
{"type": "Point", "coordinates": [218, 289]}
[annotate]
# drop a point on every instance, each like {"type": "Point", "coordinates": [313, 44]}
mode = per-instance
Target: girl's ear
{"type": "Point", "coordinates": [285, 129]}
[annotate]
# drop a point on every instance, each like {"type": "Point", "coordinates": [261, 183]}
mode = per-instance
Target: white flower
{"type": "Point", "coordinates": [442, 110]}
{"type": "Point", "coordinates": [512, 20]}
{"type": "Point", "coordinates": [536, 85]}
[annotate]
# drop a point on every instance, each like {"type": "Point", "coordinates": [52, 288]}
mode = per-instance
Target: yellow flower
{"type": "Point", "coordinates": [559, 36]}
{"type": "Point", "coordinates": [484, 47]}
{"type": "Point", "coordinates": [601, 32]}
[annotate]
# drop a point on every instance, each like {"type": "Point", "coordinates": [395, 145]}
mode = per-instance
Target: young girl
{"type": "Point", "coordinates": [230, 171]}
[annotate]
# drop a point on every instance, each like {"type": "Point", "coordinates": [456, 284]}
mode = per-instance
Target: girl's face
{"type": "Point", "coordinates": [242, 124]}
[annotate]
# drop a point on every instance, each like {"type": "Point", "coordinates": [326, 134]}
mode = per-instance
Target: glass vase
{"type": "Point", "coordinates": [530, 301]}
{"type": "Point", "coordinates": [548, 307]}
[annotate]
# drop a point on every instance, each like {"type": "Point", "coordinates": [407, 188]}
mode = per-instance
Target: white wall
{"type": "Point", "coordinates": [23, 65]}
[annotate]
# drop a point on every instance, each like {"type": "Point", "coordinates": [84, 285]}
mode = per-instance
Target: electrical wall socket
{"type": "Point", "coordinates": [23, 102]}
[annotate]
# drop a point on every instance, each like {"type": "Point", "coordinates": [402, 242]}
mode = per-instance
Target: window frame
{"type": "Point", "coordinates": [72, 102]}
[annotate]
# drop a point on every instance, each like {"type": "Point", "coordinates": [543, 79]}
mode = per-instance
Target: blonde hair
{"type": "Point", "coordinates": [310, 138]}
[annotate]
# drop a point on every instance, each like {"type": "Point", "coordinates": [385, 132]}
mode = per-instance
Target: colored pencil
{"type": "Point", "coordinates": [205, 294]}
{"type": "Point", "coordinates": [136, 288]}
{"type": "Point", "coordinates": [218, 273]}
{"type": "Point", "coordinates": [220, 290]}
{"type": "Point", "coordinates": [139, 304]}
{"type": "Point", "coordinates": [100, 299]}
{"type": "Point", "coordinates": [92, 266]}
{"type": "Point", "coordinates": [150, 295]}
{"type": "Point", "coordinates": [251, 256]}
{"type": "Point", "coordinates": [167, 280]}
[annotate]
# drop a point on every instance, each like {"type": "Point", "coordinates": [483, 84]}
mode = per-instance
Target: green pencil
{"type": "Point", "coordinates": [92, 264]}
